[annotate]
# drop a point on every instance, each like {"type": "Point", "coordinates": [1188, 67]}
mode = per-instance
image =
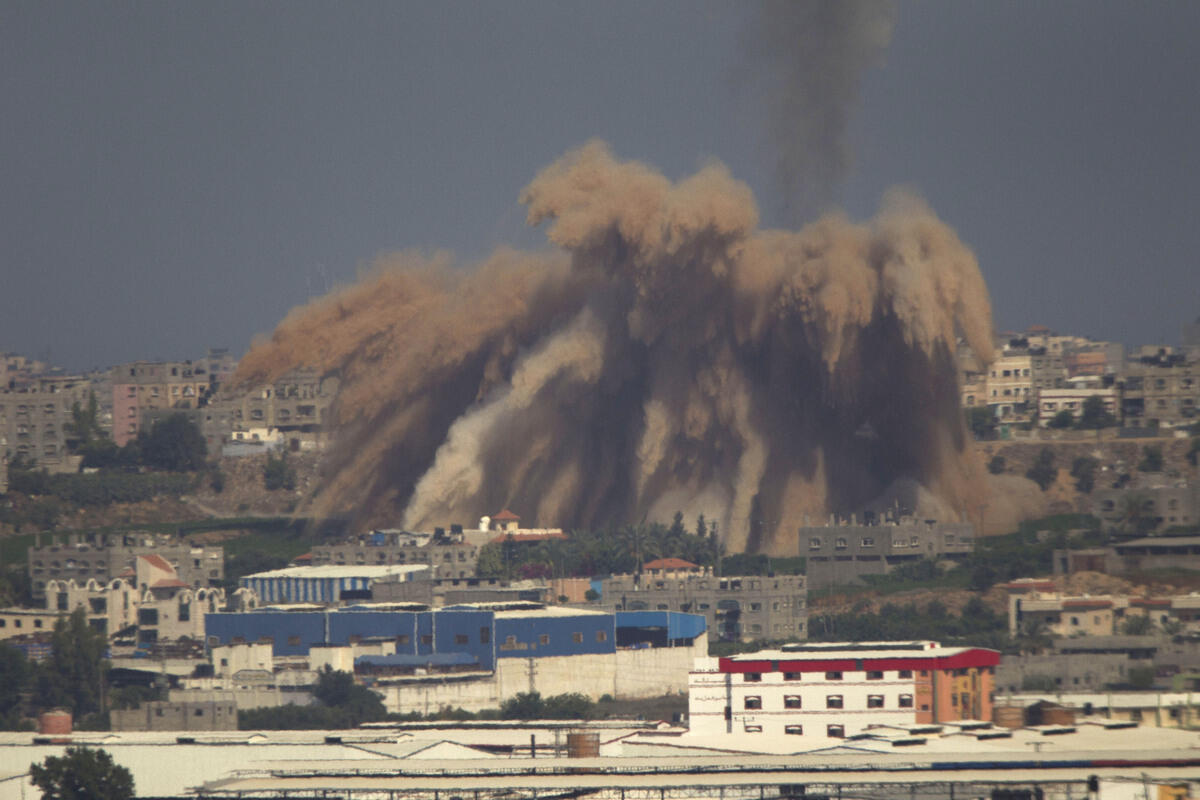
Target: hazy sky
{"type": "Point", "coordinates": [179, 175]}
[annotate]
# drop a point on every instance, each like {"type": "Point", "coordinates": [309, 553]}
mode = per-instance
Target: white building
{"type": "Point", "coordinates": [835, 690]}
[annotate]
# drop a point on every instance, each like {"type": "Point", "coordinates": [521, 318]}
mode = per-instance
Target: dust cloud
{"type": "Point", "coordinates": [663, 354]}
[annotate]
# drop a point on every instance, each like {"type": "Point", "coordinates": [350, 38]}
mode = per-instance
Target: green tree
{"type": "Point", "coordinates": [14, 675]}
{"type": "Point", "coordinates": [84, 427]}
{"type": "Point", "coordinates": [173, 444]}
{"type": "Point", "coordinates": [82, 773]}
{"type": "Point", "coordinates": [523, 705]}
{"type": "Point", "coordinates": [1043, 471]}
{"type": "Point", "coordinates": [981, 422]}
{"type": "Point", "coordinates": [996, 465]}
{"type": "Point", "coordinates": [1152, 459]}
{"type": "Point", "coordinates": [1092, 416]}
{"type": "Point", "coordinates": [1062, 420]}
{"type": "Point", "coordinates": [73, 675]}
{"type": "Point", "coordinates": [1138, 625]}
{"type": "Point", "coordinates": [1083, 470]}
{"type": "Point", "coordinates": [338, 690]}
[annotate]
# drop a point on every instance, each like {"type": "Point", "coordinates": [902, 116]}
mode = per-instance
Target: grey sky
{"type": "Point", "coordinates": [175, 175]}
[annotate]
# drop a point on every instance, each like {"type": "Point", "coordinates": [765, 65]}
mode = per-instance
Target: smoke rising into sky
{"type": "Point", "coordinates": [665, 355]}
{"type": "Point", "coordinates": [811, 58]}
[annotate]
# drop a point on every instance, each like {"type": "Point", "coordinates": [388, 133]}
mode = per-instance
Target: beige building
{"type": "Point", "coordinates": [294, 409]}
{"type": "Point", "coordinates": [1052, 402]}
{"type": "Point", "coordinates": [35, 418]}
{"type": "Point", "coordinates": [22, 621]}
{"type": "Point", "coordinates": [1018, 374]}
{"type": "Point", "coordinates": [1033, 605]}
{"type": "Point", "coordinates": [1160, 392]}
{"type": "Point", "coordinates": [142, 387]}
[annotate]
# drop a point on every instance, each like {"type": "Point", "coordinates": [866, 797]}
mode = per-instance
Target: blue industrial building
{"type": "Point", "coordinates": [327, 583]}
{"type": "Point", "coordinates": [486, 634]}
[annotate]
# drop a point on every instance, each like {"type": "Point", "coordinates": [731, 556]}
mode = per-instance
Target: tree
{"type": "Point", "coordinates": [1062, 420]}
{"type": "Point", "coordinates": [1138, 625]}
{"type": "Point", "coordinates": [73, 675]}
{"type": "Point", "coordinates": [996, 465]}
{"type": "Point", "coordinates": [82, 773]}
{"type": "Point", "coordinates": [1093, 416]}
{"type": "Point", "coordinates": [1043, 471]}
{"type": "Point", "coordinates": [357, 703]}
{"type": "Point", "coordinates": [982, 422]}
{"type": "Point", "coordinates": [1083, 470]}
{"type": "Point", "coordinates": [14, 674]}
{"type": "Point", "coordinates": [174, 444]}
{"type": "Point", "coordinates": [84, 427]}
{"type": "Point", "coordinates": [1152, 459]}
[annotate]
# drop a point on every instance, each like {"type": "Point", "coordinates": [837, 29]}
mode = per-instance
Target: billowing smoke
{"type": "Point", "coordinates": [664, 355]}
{"type": "Point", "coordinates": [809, 57]}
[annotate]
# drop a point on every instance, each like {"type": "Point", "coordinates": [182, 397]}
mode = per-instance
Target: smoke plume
{"type": "Point", "coordinates": [665, 354]}
{"type": "Point", "coordinates": [809, 58]}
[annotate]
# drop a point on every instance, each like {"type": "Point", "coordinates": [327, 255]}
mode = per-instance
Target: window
{"type": "Point", "coordinates": [791, 701]}
{"type": "Point", "coordinates": [835, 731]}
{"type": "Point", "coordinates": [544, 639]}
{"type": "Point", "coordinates": [791, 676]}
{"type": "Point", "coordinates": [793, 730]}
{"type": "Point", "coordinates": [426, 639]}
{"type": "Point", "coordinates": [906, 701]}
{"type": "Point", "coordinates": [293, 640]}
{"type": "Point", "coordinates": [874, 701]}
{"type": "Point", "coordinates": [904, 673]}
{"type": "Point", "coordinates": [867, 541]}
{"type": "Point", "coordinates": [814, 543]}
{"type": "Point", "coordinates": [577, 637]}
{"type": "Point", "coordinates": [833, 676]}
{"type": "Point", "coordinates": [753, 729]}
{"type": "Point", "coordinates": [753, 703]}
{"type": "Point", "coordinates": [833, 701]}
{"type": "Point", "coordinates": [461, 638]}
{"type": "Point", "coordinates": [402, 639]}
{"type": "Point", "coordinates": [840, 544]}
{"type": "Point", "coordinates": [601, 636]}
{"type": "Point", "coordinates": [752, 677]}
{"type": "Point", "coordinates": [874, 675]}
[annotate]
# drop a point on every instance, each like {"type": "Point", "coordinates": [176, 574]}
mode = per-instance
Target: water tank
{"type": "Point", "coordinates": [583, 744]}
{"type": "Point", "coordinates": [57, 721]}
{"type": "Point", "coordinates": [1008, 716]}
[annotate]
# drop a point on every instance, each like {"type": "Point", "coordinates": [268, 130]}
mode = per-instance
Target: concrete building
{"type": "Point", "coordinates": [35, 416]}
{"type": "Point", "coordinates": [736, 608]}
{"type": "Point", "coordinates": [844, 551]}
{"type": "Point", "coordinates": [327, 584]}
{"type": "Point", "coordinates": [1031, 606]}
{"type": "Point", "coordinates": [1019, 372]}
{"type": "Point", "coordinates": [23, 621]}
{"type": "Point", "coordinates": [439, 592]}
{"type": "Point", "coordinates": [833, 691]}
{"type": "Point", "coordinates": [1160, 391]}
{"type": "Point", "coordinates": [102, 557]}
{"type": "Point", "coordinates": [1135, 555]}
{"type": "Point", "coordinates": [293, 410]}
{"type": "Point", "coordinates": [1148, 505]}
{"type": "Point", "coordinates": [1052, 402]}
{"type": "Point", "coordinates": [172, 715]}
{"type": "Point", "coordinates": [143, 387]}
{"type": "Point", "coordinates": [447, 554]}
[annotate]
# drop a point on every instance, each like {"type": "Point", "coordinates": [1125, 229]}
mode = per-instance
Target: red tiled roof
{"type": "Point", "coordinates": [505, 516]}
{"type": "Point", "coordinates": [669, 563]}
{"type": "Point", "coordinates": [169, 583]}
{"type": "Point", "coordinates": [1155, 602]}
{"type": "Point", "coordinates": [303, 557]}
{"type": "Point", "coordinates": [158, 562]}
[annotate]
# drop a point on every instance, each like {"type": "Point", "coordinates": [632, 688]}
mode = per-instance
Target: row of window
{"type": "Point", "coordinates": [793, 701]}
{"type": "Point", "coordinates": [832, 731]}
{"type": "Point", "coordinates": [832, 675]}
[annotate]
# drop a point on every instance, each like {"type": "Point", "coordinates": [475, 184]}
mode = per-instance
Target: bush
{"type": "Point", "coordinates": [1152, 459]}
{"type": "Point", "coordinates": [1062, 420]}
{"type": "Point", "coordinates": [278, 474]}
{"type": "Point", "coordinates": [996, 465]}
{"type": "Point", "coordinates": [1083, 470]}
{"type": "Point", "coordinates": [1043, 471]}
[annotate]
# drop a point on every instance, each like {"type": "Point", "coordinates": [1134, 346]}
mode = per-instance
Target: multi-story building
{"type": "Point", "coordinates": [736, 608]}
{"type": "Point", "coordinates": [1052, 402]}
{"type": "Point", "coordinates": [103, 557]}
{"type": "Point", "coordinates": [1160, 391]}
{"type": "Point", "coordinates": [293, 410]}
{"type": "Point", "coordinates": [447, 554]}
{"type": "Point", "coordinates": [327, 584]}
{"type": "Point", "coordinates": [1019, 372]}
{"type": "Point", "coordinates": [148, 386]}
{"type": "Point", "coordinates": [1035, 606]}
{"type": "Point", "coordinates": [35, 417]}
{"type": "Point", "coordinates": [1149, 505]}
{"type": "Point", "coordinates": [836, 690]}
{"type": "Point", "coordinates": [843, 552]}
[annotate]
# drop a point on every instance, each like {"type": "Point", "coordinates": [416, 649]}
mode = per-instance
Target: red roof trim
{"type": "Point", "coordinates": [505, 515]}
{"type": "Point", "coordinates": [1150, 601]}
{"type": "Point", "coordinates": [158, 562]}
{"type": "Point", "coordinates": [975, 657]}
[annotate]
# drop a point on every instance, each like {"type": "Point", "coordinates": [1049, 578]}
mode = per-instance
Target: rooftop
{"type": "Point", "coordinates": [342, 571]}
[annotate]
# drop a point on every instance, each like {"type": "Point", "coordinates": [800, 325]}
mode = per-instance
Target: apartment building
{"type": "Point", "coordinates": [842, 552]}
{"type": "Point", "coordinates": [103, 557]}
{"type": "Point", "coordinates": [141, 387]}
{"type": "Point", "coordinates": [1019, 372]}
{"type": "Point", "coordinates": [1160, 391]}
{"type": "Point", "coordinates": [736, 608]}
{"type": "Point", "coordinates": [448, 554]}
{"type": "Point", "coordinates": [293, 410]}
{"type": "Point", "coordinates": [1150, 505]}
{"type": "Point", "coordinates": [837, 690]}
{"type": "Point", "coordinates": [1033, 606]}
{"type": "Point", "coordinates": [35, 417]}
{"type": "Point", "coordinates": [1052, 402]}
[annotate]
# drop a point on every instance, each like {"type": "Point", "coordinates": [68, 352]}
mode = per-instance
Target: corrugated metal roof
{"type": "Point", "coordinates": [341, 571]}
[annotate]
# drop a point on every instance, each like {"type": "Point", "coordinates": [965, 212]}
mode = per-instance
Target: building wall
{"type": "Point", "coordinates": [744, 607]}
{"type": "Point", "coordinates": [167, 715]}
{"type": "Point", "coordinates": [34, 418]}
{"type": "Point", "coordinates": [105, 557]}
{"type": "Point", "coordinates": [20, 621]}
{"type": "Point", "coordinates": [844, 553]}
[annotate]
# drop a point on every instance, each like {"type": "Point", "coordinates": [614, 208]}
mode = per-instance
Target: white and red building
{"type": "Point", "coordinates": [834, 690]}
